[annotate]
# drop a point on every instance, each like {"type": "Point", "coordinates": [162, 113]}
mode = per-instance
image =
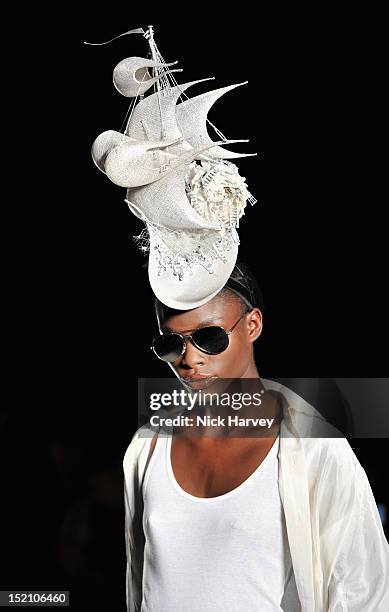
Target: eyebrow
{"type": "Point", "coordinates": [202, 324]}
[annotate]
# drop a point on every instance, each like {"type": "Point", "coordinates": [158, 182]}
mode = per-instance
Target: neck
{"type": "Point", "coordinates": [251, 371]}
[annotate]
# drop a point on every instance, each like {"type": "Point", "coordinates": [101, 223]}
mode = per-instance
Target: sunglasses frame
{"type": "Point", "coordinates": [189, 336]}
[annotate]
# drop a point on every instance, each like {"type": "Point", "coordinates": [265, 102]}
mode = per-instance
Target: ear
{"type": "Point", "coordinates": [254, 324]}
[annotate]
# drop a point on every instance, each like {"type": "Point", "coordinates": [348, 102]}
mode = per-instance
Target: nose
{"type": "Point", "coordinates": [192, 356]}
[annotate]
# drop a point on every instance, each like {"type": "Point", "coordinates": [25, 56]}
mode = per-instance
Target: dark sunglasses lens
{"type": "Point", "coordinates": [212, 340]}
{"type": "Point", "coordinates": [168, 347]}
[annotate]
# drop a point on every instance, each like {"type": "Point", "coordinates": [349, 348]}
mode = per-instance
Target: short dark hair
{"type": "Point", "coordinates": [241, 283]}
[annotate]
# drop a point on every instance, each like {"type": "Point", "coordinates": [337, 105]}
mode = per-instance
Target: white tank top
{"type": "Point", "coordinates": [217, 554]}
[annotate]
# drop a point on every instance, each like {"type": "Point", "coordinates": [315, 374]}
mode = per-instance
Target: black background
{"type": "Point", "coordinates": [80, 301]}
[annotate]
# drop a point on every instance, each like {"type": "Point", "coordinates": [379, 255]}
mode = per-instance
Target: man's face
{"type": "Point", "coordinates": [235, 361]}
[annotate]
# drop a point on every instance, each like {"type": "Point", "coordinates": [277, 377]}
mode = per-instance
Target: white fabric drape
{"type": "Point", "coordinates": [338, 547]}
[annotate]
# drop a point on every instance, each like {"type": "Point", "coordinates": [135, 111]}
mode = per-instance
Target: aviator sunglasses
{"type": "Point", "coordinates": [212, 340]}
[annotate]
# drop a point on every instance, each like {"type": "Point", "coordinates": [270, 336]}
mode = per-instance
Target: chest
{"type": "Point", "coordinates": [208, 468]}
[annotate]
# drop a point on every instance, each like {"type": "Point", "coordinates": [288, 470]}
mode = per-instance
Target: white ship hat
{"type": "Point", "coordinates": [179, 181]}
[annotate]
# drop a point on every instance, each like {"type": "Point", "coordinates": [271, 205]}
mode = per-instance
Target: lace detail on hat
{"type": "Point", "coordinates": [219, 194]}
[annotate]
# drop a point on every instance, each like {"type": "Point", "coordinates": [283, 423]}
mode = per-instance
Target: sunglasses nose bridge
{"type": "Point", "coordinates": [188, 339]}
{"type": "Point", "coordinates": [185, 339]}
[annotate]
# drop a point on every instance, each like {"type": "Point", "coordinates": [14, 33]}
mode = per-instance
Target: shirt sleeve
{"type": "Point", "coordinates": [353, 543]}
{"type": "Point", "coordinates": [134, 536]}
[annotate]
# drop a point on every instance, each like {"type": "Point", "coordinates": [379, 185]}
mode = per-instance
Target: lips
{"type": "Point", "coordinates": [196, 377]}
{"type": "Point", "coordinates": [198, 381]}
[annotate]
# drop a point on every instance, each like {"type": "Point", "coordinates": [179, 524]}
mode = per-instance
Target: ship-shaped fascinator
{"type": "Point", "coordinates": [180, 182]}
